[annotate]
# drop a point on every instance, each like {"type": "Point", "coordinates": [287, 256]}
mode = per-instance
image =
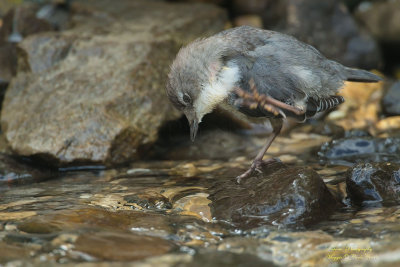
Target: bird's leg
{"type": "Point", "coordinates": [258, 160]}
{"type": "Point", "coordinates": [267, 101]}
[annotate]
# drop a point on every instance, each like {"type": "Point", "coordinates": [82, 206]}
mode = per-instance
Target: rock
{"type": "Point", "coordinates": [374, 183]}
{"type": "Point", "coordinates": [391, 100]}
{"type": "Point", "coordinates": [281, 196]}
{"type": "Point", "coordinates": [361, 108]}
{"type": "Point", "coordinates": [11, 252]}
{"type": "Point", "coordinates": [382, 19]}
{"type": "Point", "coordinates": [389, 124]}
{"type": "Point", "coordinates": [15, 171]}
{"type": "Point", "coordinates": [8, 65]}
{"type": "Point", "coordinates": [225, 259]}
{"type": "Point", "coordinates": [347, 151]}
{"type": "Point", "coordinates": [327, 25]}
{"type": "Point", "coordinates": [26, 20]}
{"type": "Point", "coordinates": [95, 93]}
{"type": "Point", "coordinates": [27, 24]}
{"type": "Point", "coordinates": [249, 20]}
{"type": "Point", "coordinates": [122, 246]}
{"type": "Point", "coordinates": [330, 28]}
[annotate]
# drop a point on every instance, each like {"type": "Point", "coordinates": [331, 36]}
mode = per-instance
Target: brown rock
{"type": "Point", "coordinates": [279, 196]}
{"type": "Point", "coordinates": [249, 20]}
{"type": "Point", "coordinates": [96, 92]}
{"type": "Point", "coordinates": [122, 246]}
{"type": "Point", "coordinates": [361, 106]}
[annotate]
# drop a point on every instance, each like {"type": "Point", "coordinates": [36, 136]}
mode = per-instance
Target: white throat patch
{"type": "Point", "coordinates": [217, 90]}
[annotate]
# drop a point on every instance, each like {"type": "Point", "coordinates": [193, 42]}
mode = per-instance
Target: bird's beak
{"type": "Point", "coordinates": [193, 122]}
{"type": "Point", "coordinates": [194, 126]}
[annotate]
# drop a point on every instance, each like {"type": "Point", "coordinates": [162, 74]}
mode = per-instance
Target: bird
{"type": "Point", "coordinates": [256, 75]}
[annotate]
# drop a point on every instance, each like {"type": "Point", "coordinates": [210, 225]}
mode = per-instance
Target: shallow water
{"type": "Point", "coordinates": [160, 213]}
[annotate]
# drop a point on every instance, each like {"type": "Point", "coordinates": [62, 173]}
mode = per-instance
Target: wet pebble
{"type": "Point", "coordinates": [282, 195]}
{"type": "Point", "coordinates": [374, 183]}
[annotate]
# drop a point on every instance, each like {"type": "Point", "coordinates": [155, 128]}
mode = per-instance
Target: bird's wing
{"type": "Point", "coordinates": [290, 72]}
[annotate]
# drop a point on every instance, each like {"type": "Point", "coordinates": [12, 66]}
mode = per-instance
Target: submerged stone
{"type": "Point", "coordinates": [374, 183]}
{"type": "Point", "coordinates": [123, 246]}
{"type": "Point", "coordinates": [351, 150]}
{"type": "Point", "coordinates": [225, 259]}
{"type": "Point", "coordinates": [282, 195]}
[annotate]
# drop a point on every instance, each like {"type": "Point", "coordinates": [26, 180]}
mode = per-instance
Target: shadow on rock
{"type": "Point", "coordinates": [282, 195]}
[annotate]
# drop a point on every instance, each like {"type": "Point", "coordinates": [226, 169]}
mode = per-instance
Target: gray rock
{"type": "Point", "coordinates": [328, 26]}
{"type": "Point", "coordinates": [391, 100]}
{"type": "Point", "coordinates": [382, 19]}
{"type": "Point", "coordinates": [356, 149]}
{"type": "Point", "coordinates": [26, 24]}
{"type": "Point", "coordinates": [374, 183]}
{"type": "Point", "coordinates": [281, 196]}
{"type": "Point", "coordinates": [95, 92]}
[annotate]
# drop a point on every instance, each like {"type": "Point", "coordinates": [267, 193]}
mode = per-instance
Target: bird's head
{"type": "Point", "coordinates": [200, 79]}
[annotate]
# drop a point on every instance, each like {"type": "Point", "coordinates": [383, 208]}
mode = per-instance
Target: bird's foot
{"type": "Point", "coordinates": [255, 166]}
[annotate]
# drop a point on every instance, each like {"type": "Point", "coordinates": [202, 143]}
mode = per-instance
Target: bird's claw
{"type": "Point", "coordinates": [256, 166]}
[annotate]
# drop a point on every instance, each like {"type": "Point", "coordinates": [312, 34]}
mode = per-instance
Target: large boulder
{"type": "Point", "coordinates": [382, 19]}
{"type": "Point", "coordinates": [326, 24]}
{"type": "Point", "coordinates": [95, 92]}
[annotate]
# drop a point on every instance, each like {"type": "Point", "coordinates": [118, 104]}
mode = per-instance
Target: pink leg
{"type": "Point", "coordinates": [257, 162]}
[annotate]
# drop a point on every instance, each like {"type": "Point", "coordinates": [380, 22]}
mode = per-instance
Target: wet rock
{"type": "Point", "coordinates": [14, 172]}
{"type": "Point", "coordinates": [95, 93]}
{"type": "Point", "coordinates": [382, 19]}
{"type": "Point", "coordinates": [348, 151]}
{"type": "Point", "coordinates": [282, 196]}
{"type": "Point", "coordinates": [11, 252]}
{"type": "Point", "coordinates": [374, 183]}
{"type": "Point", "coordinates": [149, 200]}
{"type": "Point", "coordinates": [391, 100]}
{"type": "Point", "coordinates": [225, 259]}
{"type": "Point", "coordinates": [122, 246]}
{"type": "Point", "coordinates": [95, 218]}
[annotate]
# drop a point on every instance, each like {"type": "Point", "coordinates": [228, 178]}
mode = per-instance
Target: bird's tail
{"type": "Point", "coordinates": [356, 75]}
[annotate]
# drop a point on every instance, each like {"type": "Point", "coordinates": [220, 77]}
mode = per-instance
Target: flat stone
{"type": "Point", "coordinates": [281, 196]}
{"type": "Point", "coordinates": [95, 92]}
{"type": "Point", "coordinates": [122, 246]}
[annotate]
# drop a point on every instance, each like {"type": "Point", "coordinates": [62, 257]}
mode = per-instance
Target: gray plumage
{"type": "Point", "coordinates": [281, 66]}
{"type": "Point", "coordinates": [293, 78]}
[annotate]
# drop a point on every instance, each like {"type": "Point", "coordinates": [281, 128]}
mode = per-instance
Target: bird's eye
{"type": "Point", "coordinates": [187, 99]}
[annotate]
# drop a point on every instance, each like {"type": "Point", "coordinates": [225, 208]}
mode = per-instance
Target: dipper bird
{"type": "Point", "coordinates": [257, 75]}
